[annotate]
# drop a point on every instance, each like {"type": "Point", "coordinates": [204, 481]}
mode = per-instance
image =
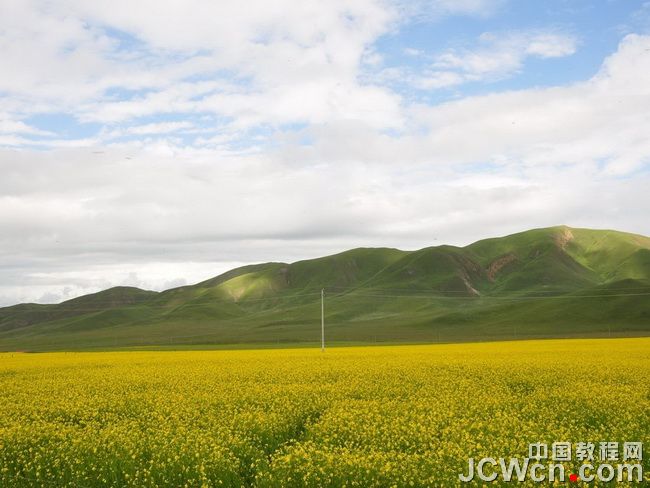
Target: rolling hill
{"type": "Point", "coordinates": [550, 282]}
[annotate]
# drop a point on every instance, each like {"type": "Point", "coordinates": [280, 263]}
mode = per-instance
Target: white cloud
{"type": "Point", "coordinates": [497, 56]}
{"type": "Point", "coordinates": [153, 129]}
{"type": "Point", "coordinates": [601, 121]}
{"type": "Point", "coordinates": [8, 126]}
{"type": "Point", "coordinates": [272, 63]}
{"type": "Point", "coordinates": [57, 284]}
{"type": "Point", "coordinates": [599, 124]}
{"type": "Point", "coordinates": [357, 165]}
{"type": "Point", "coordinates": [551, 45]}
{"type": "Point", "coordinates": [410, 51]}
{"type": "Point", "coordinates": [11, 140]}
{"type": "Point", "coordinates": [290, 63]}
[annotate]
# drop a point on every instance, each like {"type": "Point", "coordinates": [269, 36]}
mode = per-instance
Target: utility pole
{"type": "Point", "coordinates": [322, 320]}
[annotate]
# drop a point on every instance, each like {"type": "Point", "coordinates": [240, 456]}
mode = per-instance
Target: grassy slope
{"type": "Point", "coordinates": [26, 314]}
{"type": "Point", "coordinates": [494, 288]}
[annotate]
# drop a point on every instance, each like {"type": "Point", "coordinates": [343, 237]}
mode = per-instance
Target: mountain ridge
{"type": "Point", "coordinates": [479, 288]}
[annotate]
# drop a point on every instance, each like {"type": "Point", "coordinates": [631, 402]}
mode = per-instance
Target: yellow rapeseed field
{"type": "Point", "coordinates": [363, 416]}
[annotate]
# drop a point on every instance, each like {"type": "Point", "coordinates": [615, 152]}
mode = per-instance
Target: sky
{"type": "Point", "coordinates": [156, 144]}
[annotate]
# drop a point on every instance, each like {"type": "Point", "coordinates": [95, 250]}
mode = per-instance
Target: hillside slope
{"type": "Point", "coordinates": [23, 315]}
{"type": "Point", "coordinates": [544, 282]}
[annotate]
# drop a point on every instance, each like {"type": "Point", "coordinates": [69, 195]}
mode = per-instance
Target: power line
{"type": "Point", "coordinates": [353, 292]}
{"type": "Point", "coordinates": [322, 319]}
{"type": "Point", "coordinates": [429, 290]}
{"type": "Point", "coordinates": [112, 306]}
{"type": "Point", "coordinates": [101, 307]}
{"type": "Point", "coordinates": [493, 297]}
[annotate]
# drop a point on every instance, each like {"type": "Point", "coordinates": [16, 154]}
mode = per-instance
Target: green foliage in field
{"type": "Point", "coordinates": [549, 282]}
{"type": "Point", "coordinates": [373, 417]}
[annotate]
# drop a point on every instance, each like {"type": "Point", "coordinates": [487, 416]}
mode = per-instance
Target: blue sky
{"type": "Point", "coordinates": [154, 150]}
{"type": "Point", "coordinates": [595, 26]}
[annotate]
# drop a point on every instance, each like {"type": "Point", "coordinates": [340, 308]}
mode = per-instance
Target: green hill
{"type": "Point", "coordinates": [550, 282]}
{"type": "Point", "coordinates": [26, 314]}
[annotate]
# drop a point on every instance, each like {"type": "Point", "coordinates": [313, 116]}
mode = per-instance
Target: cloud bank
{"type": "Point", "coordinates": [180, 145]}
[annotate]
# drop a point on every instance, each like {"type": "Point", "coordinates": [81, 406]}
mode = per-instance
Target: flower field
{"type": "Point", "coordinates": [362, 416]}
